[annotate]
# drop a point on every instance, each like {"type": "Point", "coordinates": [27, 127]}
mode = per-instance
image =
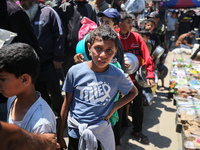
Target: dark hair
{"type": "Point", "coordinates": [192, 32]}
{"type": "Point", "coordinates": [18, 59]}
{"type": "Point", "coordinates": [150, 20]}
{"type": "Point", "coordinates": [124, 15]}
{"type": "Point", "coordinates": [146, 32]}
{"type": "Point", "coordinates": [106, 33]}
{"type": "Point", "coordinates": [173, 12]}
{"type": "Point", "coordinates": [115, 21]}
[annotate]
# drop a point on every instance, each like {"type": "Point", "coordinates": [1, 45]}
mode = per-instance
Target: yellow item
{"type": "Point", "coordinates": [154, 89]}
{"type": "Point", "coordinates": [193, 71]}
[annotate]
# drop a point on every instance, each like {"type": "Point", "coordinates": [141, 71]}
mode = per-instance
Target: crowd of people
{"type": "Point", "coordinates": [42, 61]}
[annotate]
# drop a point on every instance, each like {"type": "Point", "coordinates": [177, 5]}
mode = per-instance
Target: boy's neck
{"type": "Point", "coordinates": [95, 69]}
{"type": "Point", "coordinates": [23, 103]}
{"type": "Point", "coordinates": [123, 32]}
{"type": "Point", "coordinates": [28, 98]}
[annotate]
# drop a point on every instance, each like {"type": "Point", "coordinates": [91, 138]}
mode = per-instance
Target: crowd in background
{"type": "Point", "coordinates": [52, 29]}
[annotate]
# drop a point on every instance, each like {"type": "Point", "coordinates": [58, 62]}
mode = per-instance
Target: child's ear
{"type": "Point", "coordinates": [26, 79]}
{"type": "Point", "coordinates": [89, 48]}
{"type": "Point", "coordinates": [120, 24]}
{"type": "Point", "coordinates": [115, 27]}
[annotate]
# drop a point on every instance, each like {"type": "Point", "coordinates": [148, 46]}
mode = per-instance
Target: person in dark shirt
{"type": "Point", "coordinates": [71, 14]}
{"type": "Point", "coordinates": [185, 22]}
{"type": "Point", "coordinates": [185, 40]}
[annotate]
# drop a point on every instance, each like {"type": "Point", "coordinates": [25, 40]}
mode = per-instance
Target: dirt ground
{"type": "Point", "coordinates": [159, 121]}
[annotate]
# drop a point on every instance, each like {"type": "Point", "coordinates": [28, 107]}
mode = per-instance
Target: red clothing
{"type": "Point", "coordinates": [133, 43]}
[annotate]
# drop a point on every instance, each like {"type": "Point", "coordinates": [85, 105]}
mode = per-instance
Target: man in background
{"type": "Point", "coordinates": [186, 40]}
{"type": "Point", "coordinates": [49, 32]}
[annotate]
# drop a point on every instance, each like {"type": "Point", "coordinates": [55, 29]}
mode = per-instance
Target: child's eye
{"type": "Point", "coordinates": [107, 22]}
{"type": "Point", "coordinates": [98, 48]}
{"type": "Point", "coordinates": [110, 51]}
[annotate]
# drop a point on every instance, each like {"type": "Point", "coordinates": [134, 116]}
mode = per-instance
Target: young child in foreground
{"type": "Point", "coordinates": [91, 88]}
{"type": "Point", "coordinates": [19, 68]}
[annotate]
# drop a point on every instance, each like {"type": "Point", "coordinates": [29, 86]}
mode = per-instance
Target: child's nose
{"type": "Point", "coordinates": [103, 54]}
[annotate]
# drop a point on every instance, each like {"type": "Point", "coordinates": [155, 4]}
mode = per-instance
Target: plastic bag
{"type": "Point", "coordinates": [134, 6]}
{"type": "Point", "coordinates": [6, 37]}
{"type": "Point", "coordinates": [87, 26]}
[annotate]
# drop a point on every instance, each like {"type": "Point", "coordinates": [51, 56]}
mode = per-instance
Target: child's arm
{"type": "Point", "coordinates": [63, 118]}
{"type": "Point", "coordinates": [14, 137]}
{"type": "Point", "coordinates": [123, 101]}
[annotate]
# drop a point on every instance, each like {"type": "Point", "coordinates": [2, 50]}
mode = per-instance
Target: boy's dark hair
{"type": "Point", "coordinates": [145, 32]}
{"type": "Point", "coordinates": [19, 59]}
{"type": "Point", "coordinates": [151, 20]}
{"type": "Point", "coordinates": [106, 33]}
{"type": "Point", "coordinates": [124, 15]}
{"type": "Point", "coordinates": [115, 21]}
{"type": "Point", "coordinates": [173, 12]}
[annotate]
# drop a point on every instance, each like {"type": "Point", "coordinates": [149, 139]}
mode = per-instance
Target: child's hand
{"type": "Point", "coordinates": [151, 82]}
{"type": "Point", "coordinates": [62, 144]}
{"type": "Point", "coordinates": [52, 138]}
{"type": "Point", "coordinates": [79, 58]}
{"type": "Point", "coordinates": [57, 65]}
{"type": "Point", "coordinates": [127, 65]}
{"type": "Point", "coordinates": [109, 115]}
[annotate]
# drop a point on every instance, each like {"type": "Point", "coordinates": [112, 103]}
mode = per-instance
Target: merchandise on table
{"type": "Point", "coordinates": [185, 86]}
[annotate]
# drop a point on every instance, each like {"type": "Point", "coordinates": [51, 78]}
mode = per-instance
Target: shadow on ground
{"type": "Point", "coordinates": [151, 120]}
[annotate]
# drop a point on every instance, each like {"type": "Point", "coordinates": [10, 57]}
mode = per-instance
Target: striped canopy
{"type": "Point", "coordinates": [182, 3]}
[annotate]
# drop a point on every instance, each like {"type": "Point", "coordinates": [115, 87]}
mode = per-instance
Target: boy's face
{"type": "Point", "coordinates": [150, 26]}
{"type": "Point", "coordinates": [191, 35]}
{"type": "Point", "coordinates": [126, 25]}
{"type": "Point", "coordinates": [10, 85]}
{"type": "Point", "coordinates": [102, 52]}
{"type": "Point", "coordinates": [145, 38]}
{"type": "Point", "coordinates": [173, 15]}
{"type": "Point", "coordinates": [108, 21]}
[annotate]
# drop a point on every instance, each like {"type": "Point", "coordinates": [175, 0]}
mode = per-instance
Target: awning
{"type": "Point", "coordinates": [182, 3]}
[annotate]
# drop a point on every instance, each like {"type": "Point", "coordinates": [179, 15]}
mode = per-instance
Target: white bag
{"type": "Point", "coordinates": [134, 6]}
{"type": "Point", "coordinates": [6, 37]}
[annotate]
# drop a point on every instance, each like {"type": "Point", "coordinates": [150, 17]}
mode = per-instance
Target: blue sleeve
{"type": "Point", "coordinates": [125, 85]}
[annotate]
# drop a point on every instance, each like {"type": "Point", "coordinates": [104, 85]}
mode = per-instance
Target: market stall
{"type": "Point", "coordinates": [185, 89]}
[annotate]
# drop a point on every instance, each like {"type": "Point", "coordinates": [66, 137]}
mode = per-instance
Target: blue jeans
{"type": "Point", "coordinates": [184, 46]}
